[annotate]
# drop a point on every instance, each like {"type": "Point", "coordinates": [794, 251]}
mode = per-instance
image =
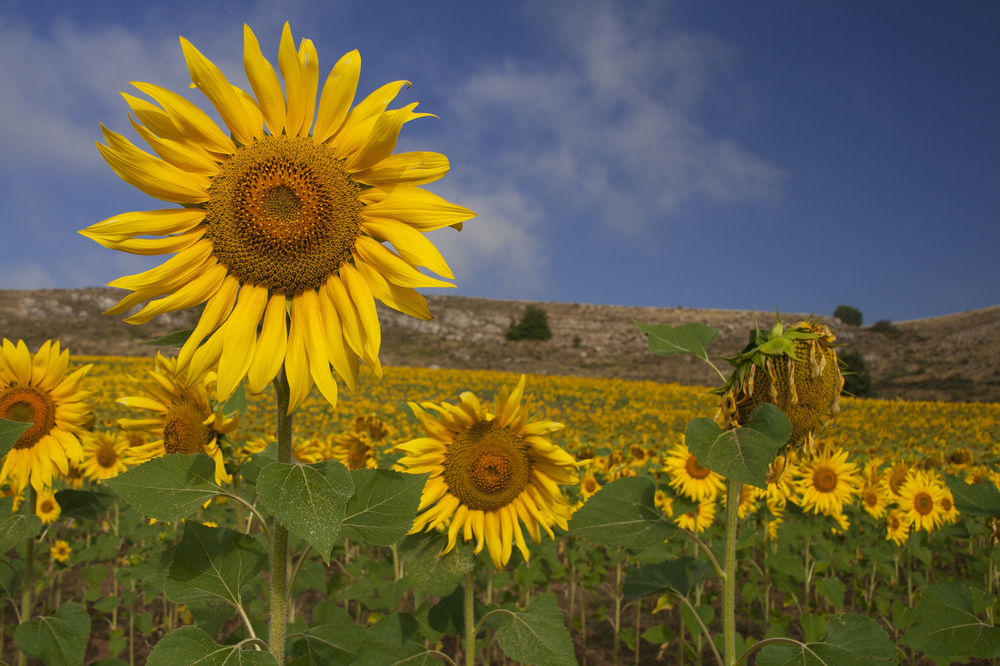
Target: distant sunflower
{"type": "Point", "coordinates": [827, 482]}
{"type": "Point", "coordinates": [284, 219]}
{"type": "Point", "coordinates": [47, 508]}
{"type": "Point", "coordinates": [104, 455]}
{"type": "Point", "coordinates": [37, 390]}
{"type": "Point", "coordinates": [920, 499]}
{"type": "Point", "coordinates": [490, 471]}
{"type": "Point", "coordinates": [354, 449]}
{"type": "Point", "coordinates": [690, 477]}
{"type": "Point", "coordinates": [589, 486]}
{"type": "Point", "coordinates": [60, 551]}
{"type": "Point", "coordinates": [664, 502]}
{"type": "Point", "coordinates": [949, 514]}
{"type": "Point", "coordinates": [895, 477]}
{"type": "Point", "coordinates": [875, 499]}
{"type": "Point", "coordinates": [185, 421]}
{"type": "Point", "coordinates": [897, 527]}
{"type": "Point", "coordinates": [699, 519]}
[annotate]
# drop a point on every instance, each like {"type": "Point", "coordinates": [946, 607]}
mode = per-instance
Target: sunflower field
{"type": "Point", "coordinates": [211, 507]}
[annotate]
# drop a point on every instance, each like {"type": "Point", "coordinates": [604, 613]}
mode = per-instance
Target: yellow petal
{"type": "Point", "coordinates": [157, 120]}
{"type": "Point", "coordinates": [142, 402]}
{"type": "Point", "coordinates": [364, 303]}
{"type": "Point", "coordinates": [145, 223]}
{"type": "Point", "coordinates": [240, 339]}
{"type": "Point", "coordinates": [216, 310]}
{"type": "Point", "coordinates": [153, 246]}
{"type": "Point", "coordinates": [270, 346]}
{"type": "Point", "coordinates": [343, 360]}
{"type": "Point", "coordinates": [297, 366]}
{"type": "Point", "coordinates": [211, 81]}
{"type": "Point", "coordinates": [309, 76]}
{"type": "Point", "coordinates": [205, 358]}
{"type": "Point", "coordinates": [350, 323]}
{"type": "Point", "coordinates": [370, 106]}
{"type": "Point", "coordinates": [191, 294]}
{"type": "Point", "coordinates": [382, 140]}
{"type": "Point", "coordinates": [416, 168]}
{"type": "Point", "coordinates": [181, 263]}
{"type": "Point", "coordinates": [152, 175]}
{"type": "Point", "coordinates": [403, 299]}
{"type": "Point", "coordinates": [189, 119]}
{"type": "Point", "coordinates": [422, 210]}
{"type": "Point", "coordinates": [288, 62]}
{"type": "Point", "coordinates": [306, 308]}
{"type": "Point", "coordinates": [253, 112]}
{"type": "Point", "coordinates": [338, 95]}
{"type": "Point", "coordinates": [412, 245]}
{"type": "Point", "coordinates": [40, 363]}
{"type": "Point", "coordinates": [395, 269]}
{"type": "Point", "coordinates": [192, 159]}
{"type": "Point", "coordinates": [264, 81]}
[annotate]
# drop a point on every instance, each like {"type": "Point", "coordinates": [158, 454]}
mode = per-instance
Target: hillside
{"type": "Point", "coordinates": [950, 358]}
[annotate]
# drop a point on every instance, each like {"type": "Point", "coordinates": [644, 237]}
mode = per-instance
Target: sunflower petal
{"type": "Point", "coordinates": [422, 210]}
{"type": "Point", "coordinates": [211, 81]}
{"type": "Point", "coordinates": [152, 175]}
{"type": "Point", "coordinates": [370, 106]}
{"type": "Point", "coordinates": [415, 168]}
{"type": "Point", "coordinates": [154, 246]}
{"type": "Point", "coordinates": [344, 361]}
{"type": "Point", "coordinates": [264, 81]}
{"type": "Point", "coordinates": [382, 140]}
{"type": "Point", "coordinates": [403, 299]}
{"type": "Point", "coordinates": [392, 266]}
{"type": "Point", "coordinates": [288, 62]}
{"type": "Point", "coordinates": [270, 346]}
{"type": "Point", "coordinates": [192, 159]}
{"type": "Point", "coordinates": [219, 305]}
{"type": "Point", "coordinates": [240, 339]}
{"type": "Point", "coordinates": [297, 366]}
{"type": "Point", "coordinates": [145, 223]}
{"type": "Point", "coordinates": [189, 119]}
{"type": "Point", "coordinates": [191, 294]}
{"type": "Point", "coordinates": [411, 245]}
{"type": "Point", "coordinates": [364, 302]}
{"type": "Point", "coordinates": [306, 308]}
{"type": "Point", "coordinates": [338, 94]}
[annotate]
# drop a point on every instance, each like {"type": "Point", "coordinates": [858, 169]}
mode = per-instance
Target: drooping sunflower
{"type": "Point", "coordinates": [47, 508]}
{"type": "Point", "coordinates": [284, 219]}
{"type": "Point", "coordinates": [690, 477]}
{"type": "Point", "coordinates": [185, 420]}
{"type": "Point", "coordinates": [37, 389]}
{"type": "Point", "coordinates": [104, 454]}
{"type": "Point", "coordinates": [794, 368]}
{"type": "Point", "coordinates": [920, 500]}
{"type": "Point", "coordinates": [490, 471]}
{"type": "Point", "coordinates": [827, 482]}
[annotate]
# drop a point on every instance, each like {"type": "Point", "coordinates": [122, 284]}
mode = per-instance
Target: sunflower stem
{"type": "Point", "coordinates": [470, 620]}
{"type": "Point", "coordinates": [27, 592]}
{"type": "Point", "coordinates": [279, 541]}
{"type": "Point", "coordinates": [733, 490]}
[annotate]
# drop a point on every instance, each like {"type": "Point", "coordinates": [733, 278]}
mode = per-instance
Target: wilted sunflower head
{"type": "Point", "coordinates": [794, 368]}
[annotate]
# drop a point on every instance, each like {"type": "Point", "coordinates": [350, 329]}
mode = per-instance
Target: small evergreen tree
{"type": "Point", "coordinates": [848, 314]}
{"type": "Point", "coordinates": [534, 325]}
{"type": "Point", "coordinates": [857, 379]}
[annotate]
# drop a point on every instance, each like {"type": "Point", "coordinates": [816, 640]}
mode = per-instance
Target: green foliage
{"type": "Point", "coordinates": [170, 487]}
{"type": "Point", "coordinates": [384, 503]}
{"type": "Point", "coordinates": [537, 635]}
{"type": "Point", "coordinates": [9, 432]}
{"type": "Point", "coordinates": [622, 513]}
{"type": "Point", "coordinates": [857, 379]}
{"type": "Point", "coordinates": [534, 325]}
{"type": "Point", "coordinates": [691, 338]}
{"type": "Point", "coordinates": [848, 314]}
{"type": "Point", "coordinates": [310, 500]}
{"type": "Point", "coordinates": [334, 639]}
{"type": "Point", "coordinates": [191, 645]}
{"type": "Point", "coordinates": [16, 529]}
{"type": "Point", "coordinates": [945, 623]}
{"type": "Point", "coordinates": [883, 326]}
{"type": "Point", "coordinates": [743, 454]}
{"type": "Point", "coordinates": [850, 640]}
{"type": "Point", "coordinates": [175, 339]}
{"type": "Point", "coordinates": [981, 499]}
{"type": "Point", "coordinates": [431, 572]}
{"type": "Point", "coordinates": [678, 575]}
{"type": "Point", "coordinates": [59, 639]}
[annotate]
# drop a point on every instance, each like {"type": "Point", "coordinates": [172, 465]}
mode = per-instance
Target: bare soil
{"type": "Point", "coordinates": [951, 358]}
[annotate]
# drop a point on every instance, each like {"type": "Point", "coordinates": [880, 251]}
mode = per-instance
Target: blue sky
{"type": "Point", "coordinates": [711, 155]}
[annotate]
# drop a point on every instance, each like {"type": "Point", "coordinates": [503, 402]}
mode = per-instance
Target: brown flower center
{"type": "Point", "coordinates": [695, 469]}
{"type": "Point", "coordinates": [106, 457]}
{"type": "Point", "coordinates": [47, 506]}
{"type": "Point", "coordinates": [183, 430]}
{"type": "Point", "coordinates": [283, 214]}
{"type": "Point", "coordinates": [487, 467]}
{"type": "Point", "coordinates": [825, 480]}
{"type": "Point", "coordinates": [29, 404]}
{"type": "Point", "coordinates": [923, 503]}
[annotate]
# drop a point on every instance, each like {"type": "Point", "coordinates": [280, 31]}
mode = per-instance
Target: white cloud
{"type": "Point", "coordinates": [610, 127]}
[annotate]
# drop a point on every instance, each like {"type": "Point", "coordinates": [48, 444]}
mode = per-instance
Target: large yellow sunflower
{"type": "Point", "coordinates": [37, 390]}
{"type": "Point", "coordinates": [490, 471]}
{"type": "Point", "coordinates": [827, 482]}
{"type": "Point", "coordinates": [284, 221]}
{"type": "Point", "coordinates": [185, 421]}
{"type": "Point", "coordinates": [920, 499]}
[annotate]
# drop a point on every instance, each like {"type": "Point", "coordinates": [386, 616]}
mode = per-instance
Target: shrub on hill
{"type": "Point", "coordinates": [848, 314]}
{"type": "Point", "coordinates": [534, 325]}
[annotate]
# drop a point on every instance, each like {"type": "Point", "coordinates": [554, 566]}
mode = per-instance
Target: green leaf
{"type": "Point", "coordinates": [394, 640]}
{"type": "Point", "coordinates": [691, 338]}
{"type": "Point", "coordinates": [175, 339]}
{"type": "Point", "coordinates": [334, 638]}
{"type": "Point", "coordinates": [9, 432]}
{"type": "Point", "coordinates": [742, 454]}
{"type": "Point", "coordinates": [213, 564]}
{"type": "Point", "coordinates": [59, 639]}
{"type": "Point", "coordinates": [237, 403]}
{"type": "Point", "coordinates": [250, 470]}
{"type": "Point", "coordinates": [833, 589]}
{"type": "Point", "coordinates": [945, 624]}
{"type": "Point", "coordinates": [170, 487]}
{"type": "Point", "coordinates": [427, 570]}
{"type": "Point", "coordinates": [981, 499]}
{"type": "Point", "coordinates": [384, 504]}
{"type": "Point", "coordinates": [84, 505]}
{"type": "Point", "coordinates": [16, 529]}
{"type": "Point", "coordinates": [448, 615]}
{"type": "Point", "coordinates": [679, 576]}
{"type": "Point", "coordinates": [193, 647]}
{"type": "Point", "coordinates": [622, 513]}
{"type": "Point", "coordinates": [850, 640]}
{"type": "Point", "coordinates": [537, 635]}
{"type": "Point", "coordinates": [310, 500]}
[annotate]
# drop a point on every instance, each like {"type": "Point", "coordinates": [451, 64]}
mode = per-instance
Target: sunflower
{"type": "Point", "coordinates": [920, 499]}
{"type": "Point", "coordinates": [490, 471]}
{"type": "Point", "coordinates": [949, 514]}
{"type": "Point", "coordinates": [354, 449]}
{"type": "Point", "coordinates": [897, 527]}
{"type": "Point", "coordinates": [895, 477]}
{"type": "Point", "coordinates": [749, 500]}
{"type": "Point", "coordinates": [664, 502]}
{"type": "Point", "coordinates": [875, 499]}
{"type": "Point", "coordinates": [698, 519]}
{"type": "Point", "coordinates": [37, 390]}
{"type": "Point", "coordinates": [185, 421]}
{"type": "Point", "coordinates": [827, 482]}
{"type": "Point", "coordinates": [690, 477]}
{"type": "Point", "coordinates": [589, 486]}
{"type": "Point", "coordinates": [284, 219]}
{"type": "Point", "coordinates": [60, 551]}
{"type": "Point", "coordinates": [104, 454]}
{"type": "Point", "coordinates": [47, 508]}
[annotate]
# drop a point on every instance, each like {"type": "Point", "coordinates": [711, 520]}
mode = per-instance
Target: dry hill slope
{"type": "Point", "coordinates": [955, 357]}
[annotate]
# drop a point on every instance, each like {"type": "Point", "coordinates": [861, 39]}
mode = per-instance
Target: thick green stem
{"type": "Point", "coordinates": [733, 490]}
{"type": "Point", "coordinates": [28, 589]}
{"type": "Point", "coordinates": [279, 537]}
{"type": "Point", "coordinates": [470, 620]}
